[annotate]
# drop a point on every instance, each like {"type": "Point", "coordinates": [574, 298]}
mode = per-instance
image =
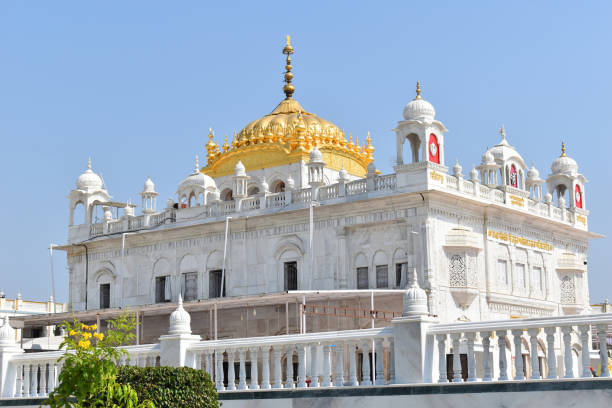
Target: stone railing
{"type": "Point", "coordinates": [387, 184]}
{"type": "Point", "coordinates": [323, 359]}
{"type": "Point", "coordinates": [356, 187]}
{"type": "Point", "coordinates": [414, 349]}
{"type": "Point", "coordinates": [547, 338]}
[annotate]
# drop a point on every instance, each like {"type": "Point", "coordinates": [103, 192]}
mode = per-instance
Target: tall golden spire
{"type": "Point", "coordinates": [418, 91]}
{"type": "Point", "coordinates": [288, 88]}
{"type": "Point", "coordinates": [563, 149]}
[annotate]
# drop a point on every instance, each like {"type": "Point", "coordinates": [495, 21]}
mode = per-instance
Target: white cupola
{"type": "Point", "coordinates": [89, 191]}
{"type": "Point", "coordinates": [240, 181]}
{"type": "Point", "coordinates": [195, 188]}
{"type": "Point", "coordinates": [511, 164]}
{"type": "Point", "coordinates": [424, 133]}
{"type": "Point", "coordinates": [180, 320]}
{"type": "Point", "coordinates": [534, 183]}
{"type": "Point", "coordinates": [149, 197]}
{"type": "Point", "coordinates": [315, 168]}
{"type": "Point", "coordinates": [7, 334]}
{"type": "Point", "coordinates": [564, 178]}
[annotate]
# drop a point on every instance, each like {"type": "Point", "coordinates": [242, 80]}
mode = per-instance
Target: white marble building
{"type": "Point", "coordinates": [498, 242]}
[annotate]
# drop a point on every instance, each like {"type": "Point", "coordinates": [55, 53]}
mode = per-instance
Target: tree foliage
{"type": "Point", "coordinates": [89, 375]}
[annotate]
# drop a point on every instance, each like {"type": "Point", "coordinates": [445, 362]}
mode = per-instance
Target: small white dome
{"type": "Point", "coordinates": [343, 174]}
{"type": "Point", "coordinates": [180, 320]}
{"type": "Point", "coordinates": [533, 173]}
{"type": "Point", "coordinates": [89, 180]}
{"type": "Point", "coordinates": [371, 169]}
{"type": "Point", "coordinates": [239, 170]}
{"type": "Point", "coordinates": [548, 198]}
{"type": "Point", "coordinates": [197, 179]}
{"type": "Point", "coordinates": [149, 186]}
{"type": "Point", "coordinates": [487, 158]}
{"type": "Point", "coordinates": [415, 299]}
{"type": "Point", "coordinates": [419, 109]}
{"type": "Point", "coordinates": [7, 333]}
{"type": "Point", "coordinates": [315, 155]}
{"type": "Point", "coordinates": [474, 174]}
{"type": "Point", "coordinates": [564, 164]}
{"type": "Point", "coordinates": [457, 168]}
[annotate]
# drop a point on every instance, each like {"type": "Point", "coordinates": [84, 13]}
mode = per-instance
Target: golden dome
{"type": "Point", "coordinates": [287, 135]}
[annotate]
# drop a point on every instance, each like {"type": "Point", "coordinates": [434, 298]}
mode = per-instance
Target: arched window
{"type": "Point", "coordinates": [227, 195]}
{"type": "Point", "coordinates": [434, 149]}
{"type": "Point", "coordinates": [78, 214]}
{"type": "Point", "coordinates": [278, 186]}
{"type": "Point", "coordinates": [415, 147]}
{"type": "Point", "coordinates": [253, 190]}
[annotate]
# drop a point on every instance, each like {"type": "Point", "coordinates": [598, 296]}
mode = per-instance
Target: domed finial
{"type": "Point", "coordinates": [418, 91]}
{"type": "Point", "coordinates": [502, 132]}
{"type": "Point", "coordinates": [197, 165]}
{"type": "Point", "coordinates": [563, 149]}
{"type": "Point", "coordinates": [89, 163]}
{"type": "Point", "coordinates": [288, 88]}
{"type": "Point", "coordinates": [180, 301]}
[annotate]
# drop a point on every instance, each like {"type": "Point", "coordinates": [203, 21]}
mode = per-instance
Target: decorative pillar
{"type": "Point", "coordinates": [352, 365]}
{"type": "Point", "coordinates": [486, 356]}
{"type": "Point", "coordinates": [254, 374]}
{"type": "Point", "coordinates": [391, 360]}
{"type": "Point", "coordinates": [535, 366]}
{"type": "Point", "coordinates": [456, 339]}
{"type": "Point", "coordinates": [277, 376]}
{"type": "Point", "coordinates": [231, 375]}
{"type": "Point", "coordinates": [219, 370]}
{"type": "Point", "coordinates": [289, 370]}
{"type": "Point", "coordinates": [586, 358]}
{"type": "Point", "coordinates": [314, 377]}
{"type": "Point", "coordinates": [365, 366]}
{"type": "Point", "coordinates": [265, 368]}
{"type": "Point", "coordinates": [8, 349]}
{"type": "Point", "coordinates": [503, 364]}
{"type": "Point", "coordinates": [552, 358]}
{"type": "Point", "coordinates": [471, 360]}
{"type": "Point", "coordinates": [339, 376]}
{"type": "Point", "coordinates": [301, 352]}
{"type": "Point", "coordinates": [603, 352]}
{"type": "Point", "coordinates": [174, 345]}
{"type": "Point", "coordinates": [380, 370]}
{"type": "Point", "coordinates": [242, 385]}
{"type": "Point", "coordinates": [567, 358]}
{"type": "Point", "coordinates": [441, 338]}
{"type": "Point", "coordinates": [326, 377]}
{"type": "Point", "coordinates": [518, 356]}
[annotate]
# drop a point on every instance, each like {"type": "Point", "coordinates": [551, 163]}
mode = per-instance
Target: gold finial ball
{"type": "Point", "coordinates": [288, 76]}
{"type": "Point", "coordinates": [289, 89]}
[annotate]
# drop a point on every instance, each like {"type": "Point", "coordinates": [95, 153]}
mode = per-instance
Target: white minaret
{"type": "Point", "coordinates": [89, 190]}
{"type": "Point", "coordinates": [149, 197]}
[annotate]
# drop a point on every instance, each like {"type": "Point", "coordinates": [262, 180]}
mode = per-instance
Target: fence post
{"type": "Point", "coordinates": [8, 348]}
{"type": "Point", "coordinates": [174, 345]}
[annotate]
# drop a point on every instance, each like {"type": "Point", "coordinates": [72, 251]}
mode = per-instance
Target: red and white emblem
{"type": "Point", "coordinates": [578, 196]}
{"type": "Point", "coordinates": [434, 149]}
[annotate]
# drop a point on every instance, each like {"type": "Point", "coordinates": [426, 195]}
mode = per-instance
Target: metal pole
{"type": "Point", "coordinates": [224, 256]}
{"type": "Point", "coordinates": [304, 314]}
{"type": "Point", "coordinates": [311, 239]}
{"type": "Point", "coordinates": [215, 320]}
{"type": "Point", "coordinates": [373, 344]}
{"type": "Point", "coordinates": [287, 317]}
{"type": "Point", "coordinates": [52, 275]}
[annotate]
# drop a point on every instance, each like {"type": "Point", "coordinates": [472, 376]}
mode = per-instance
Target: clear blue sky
{"type": "Point", "coordinates": [136, 85]}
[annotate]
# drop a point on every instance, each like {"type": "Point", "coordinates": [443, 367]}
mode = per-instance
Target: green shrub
{"type": "Point", "coordinates": [171, 387]}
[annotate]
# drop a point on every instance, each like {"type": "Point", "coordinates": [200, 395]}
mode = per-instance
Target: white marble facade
{"type": "Point", "coordinates": [485, 246]}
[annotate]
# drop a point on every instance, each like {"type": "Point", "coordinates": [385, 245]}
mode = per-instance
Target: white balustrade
{"type": "Point", "coordinates": [356, 187]}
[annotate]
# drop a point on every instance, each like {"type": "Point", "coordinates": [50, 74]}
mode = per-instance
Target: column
{"type": "Point", "coordinates": [254, 374]}
{"type": "Point", "coordinates": [441, 338]}
{"type": "Point", "coordinates": [219, 370]}
{"type": "Point", "coordinates": [471, 360]}
{"type": "Point", "coordinates": [43, 379]}
{"type": "Point", "coordinates": [231, 375]}
{"type": "Point", "coordinates": [26, 380]}
{"type": "Point", "coordinates": [391, 360]}
{"type": "Point", "coordinates": [277, 381]}
{"type": "Point", "coordinates": [209, 363]}
{"type": "Point", "coordinates": [567, 357]}
{"type": "Point", "coordinates": [551, 358]}
{"type": "Point", "coordinates": [365, 366]}
{"type": "Point", "coordinates": [19, 381]}
{"type": "Point", "coordinates": [301, 352]}
{"type": "Point", "coordinates": [586, 358]}
{"type": "Point", "coordinates": [34, 380]}
{"type": "Point", "coordinates": [380, 367]}
{"type": "Point", "coordinates": [533, 344]}
{"type": "Point", "coordinates": [242, 374]}
{"type": "Point", "coordinates": [518, 355]}
{"type": "Point", "coordinates": [314, 377]}
{"type": "Point", "coordinates": [289, 368]}
{"type": "Point", "coordinates": [265, 368]}
{"type": "Point", "coordinates": [603, 354]}
{"type": "Point", "coordinates": [503, 364]}
{"type": "Point", "coordinates": [352, 364]}
{"type": "Point", "coordinates": [456, 339]}
{"type": "Point", "coordinates": [326, 378]}
{"type": "Point", "coordinates": [486, 356]}
{"type": "Point", "coordinates": [198, 361]}
{"type": "Point", "coordinates": [339, 376]}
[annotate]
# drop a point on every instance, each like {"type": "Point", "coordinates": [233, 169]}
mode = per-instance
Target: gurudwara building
{"type": "Point", "coordinates": [291, 211]}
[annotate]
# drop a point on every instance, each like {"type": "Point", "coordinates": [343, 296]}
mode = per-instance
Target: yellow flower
{"type": "Point", "coordinates": [99, 336]}
{"type": "Point", "coordinates": [86, 335]}
{"type": "Point", "coordinates": [71, 333]}
{"type": "Point", "coordinates": [93, 327]}
{"type": "Point", "coordinates": [84, 344]}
